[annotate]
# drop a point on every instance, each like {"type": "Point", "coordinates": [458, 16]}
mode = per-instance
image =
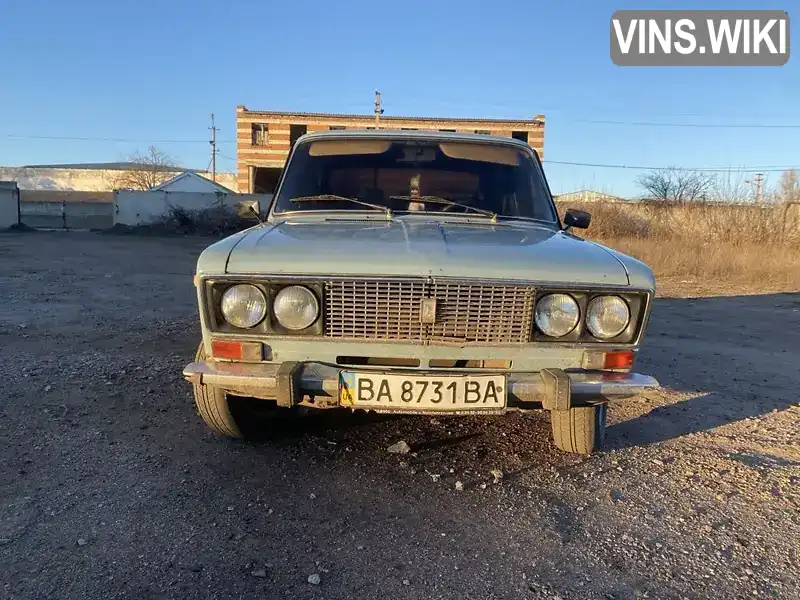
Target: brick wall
{"type": "Point", "coordinates": [275, 149]}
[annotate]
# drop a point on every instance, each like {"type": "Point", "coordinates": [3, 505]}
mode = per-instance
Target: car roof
{"type": "Point", "coordinates": [400, 134]}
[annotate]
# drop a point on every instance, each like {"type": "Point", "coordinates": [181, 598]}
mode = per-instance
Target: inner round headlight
{"type": "Point", "coordinates": [557, 314]}
{"type": "Point", "coordinates": [296, 307]}
{"type": "Point", "coordinates": [607, 317]}
{"type": "Point", "coordinates": [243, 306]}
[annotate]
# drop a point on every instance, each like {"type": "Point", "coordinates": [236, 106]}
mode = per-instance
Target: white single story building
{"type": "Point", "coordinates": [191, 182]}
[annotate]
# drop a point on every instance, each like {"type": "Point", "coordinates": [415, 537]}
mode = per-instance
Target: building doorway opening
{"type": "Point", "coordinates": [265, 179]}
{"type": "Point", "coordinates": [295, 131]}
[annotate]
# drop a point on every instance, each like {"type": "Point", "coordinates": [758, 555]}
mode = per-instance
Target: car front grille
{"type": "Point", "coordinates": [386, 309]}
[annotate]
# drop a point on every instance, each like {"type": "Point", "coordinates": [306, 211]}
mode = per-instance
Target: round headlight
{"type": "Point", "coordinates": [557, 314]}
{"type": "Point", "coordinates": [296, 307]}
{"type": "Point", "coordinates": [607, 317]}
{"type": "Point", "coordinates": [243, 306]}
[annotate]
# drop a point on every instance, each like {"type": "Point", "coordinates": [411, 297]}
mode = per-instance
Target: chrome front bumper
{"type": "Point", "coordinates": [290, 382]}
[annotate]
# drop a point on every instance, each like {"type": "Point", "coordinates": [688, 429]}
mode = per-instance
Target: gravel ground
{"type": "Point", "coordinates": [112, 487]}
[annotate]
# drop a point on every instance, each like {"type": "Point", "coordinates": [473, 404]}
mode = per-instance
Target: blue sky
{"type": "Point", "coordinates": [153, 70]}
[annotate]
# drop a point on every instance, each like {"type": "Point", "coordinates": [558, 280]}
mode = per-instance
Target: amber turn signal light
{"type": "Point", "coordinates": [233, 350]}
{"type": "Point", "coordinates": [618, 360]}
{"type": "Point", "coordinates": [226, 349]}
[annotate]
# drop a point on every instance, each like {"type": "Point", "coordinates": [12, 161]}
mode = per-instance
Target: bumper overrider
{"type": "Point", "coordinates": [318, 384]}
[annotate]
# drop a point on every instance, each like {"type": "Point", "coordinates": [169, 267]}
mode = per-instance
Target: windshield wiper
{"type": "Point", "coordinates": [334, 198]}
{"type": "Point", "coordinates": [532, 219]}
{"type": "Point", "coordinates": [446, 202]}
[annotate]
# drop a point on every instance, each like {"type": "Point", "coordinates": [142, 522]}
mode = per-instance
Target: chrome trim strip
{"type": "Point", "coordinates": [537, 284]}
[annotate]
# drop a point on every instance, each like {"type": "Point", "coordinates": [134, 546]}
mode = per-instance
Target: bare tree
{"type": "Point", "coordinates": [677, 185]}
{"type": "Point", "coordinates": [789, 187]}
{"type": "Point", "coordinates": [148, 170]}
{"type": "Point", "coordinates": [732, 187]}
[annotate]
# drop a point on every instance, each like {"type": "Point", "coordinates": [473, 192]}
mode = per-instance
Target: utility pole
{"type": "Point", "coordinates": [378, 109]}
{"type": "Point", "coordinates": [759, 179]}
{"type": "Point", "coordinates": [213, 143]}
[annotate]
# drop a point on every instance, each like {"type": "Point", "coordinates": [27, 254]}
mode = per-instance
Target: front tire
{"type": "Point", "coordinates": [579, 430]}
{"type": "Point", "coordinates": [213, 406]}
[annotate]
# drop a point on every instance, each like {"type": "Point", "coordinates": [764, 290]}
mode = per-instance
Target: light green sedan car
{"type": "Point", "coordinates": [423, 273]}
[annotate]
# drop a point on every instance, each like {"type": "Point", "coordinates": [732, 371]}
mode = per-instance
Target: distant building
{"type": "Point", "coordinates": [85, 177]}
{"type": "Point", "coordinates": [191, 182]}
{"type": "Point", "coordinates": [9, 204]}
{"type": "Point", "coordinates": [580, 196]}
{"type": "Point", "coordinates": [264, 138]}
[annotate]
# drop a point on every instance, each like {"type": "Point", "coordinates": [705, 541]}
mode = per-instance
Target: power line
{"type": "Point", "coordinates": [96, 139]}
{"type": "Point", "coordinates": [766, 169]}
{"type": "Point", "coordinates": [744, 169]}
{"type": "Point", "coordinates": [12, 136]}
{"type": "Point", "coordinates": [520, 110]}
{"type": "Point", "coordinates": [378, 111]}
{"type": "Point", "coordinates": [697, 125]}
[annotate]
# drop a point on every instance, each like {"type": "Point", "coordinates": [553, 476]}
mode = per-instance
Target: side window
{"type": "Point", "coordinates": [541, 205]}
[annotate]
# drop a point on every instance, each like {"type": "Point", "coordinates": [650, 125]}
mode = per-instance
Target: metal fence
{"type": "Point", "coordinates": [65, 215]}
{"type": "Point", "coordinates": [66, 209]}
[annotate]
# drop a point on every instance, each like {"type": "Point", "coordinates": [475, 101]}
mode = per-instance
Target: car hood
{"type": "Point", "coordinates": [416, 247]}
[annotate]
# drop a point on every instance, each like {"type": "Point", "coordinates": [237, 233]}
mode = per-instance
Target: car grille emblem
{"type": "Point", "coordinates": [427, 313]}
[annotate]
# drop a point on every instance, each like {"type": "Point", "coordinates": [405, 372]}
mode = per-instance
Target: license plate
{"type": "Point", "coordinates": [422, 392]}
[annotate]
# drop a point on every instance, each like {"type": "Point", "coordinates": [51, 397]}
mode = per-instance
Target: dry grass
{"type": "Point", "coordinates": [740, 245]}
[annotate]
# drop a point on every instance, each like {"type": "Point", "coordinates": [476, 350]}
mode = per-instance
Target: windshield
{"type": "Point", "coordinates": [457, 177]}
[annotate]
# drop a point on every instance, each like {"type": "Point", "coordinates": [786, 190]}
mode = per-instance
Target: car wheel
{"type": "Point", "coordinates": [212, 404]}
{"type": "Point", "coordinates": [579, 430]}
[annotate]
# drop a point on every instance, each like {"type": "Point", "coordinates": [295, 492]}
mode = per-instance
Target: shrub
{"type": "Point", "coordinates": [757, 243]}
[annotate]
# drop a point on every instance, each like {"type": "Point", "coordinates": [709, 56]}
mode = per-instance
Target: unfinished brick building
{"type": "Point", "coordinates": [264, 138]}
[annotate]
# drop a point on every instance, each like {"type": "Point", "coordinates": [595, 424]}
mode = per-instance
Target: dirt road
{"type": "Point", "coordinates": [112, 487]}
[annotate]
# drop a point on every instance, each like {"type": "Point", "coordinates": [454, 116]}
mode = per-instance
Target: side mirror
{"type": "Point", "coordinates": [248, 209]}
{"type": "Point", "coordinates": [577, 218]}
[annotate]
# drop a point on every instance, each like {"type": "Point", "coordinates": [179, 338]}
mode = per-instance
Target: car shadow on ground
{"type": "Point", "coordinates": [289, 426]}
{"type": "Point", "coordinates": [263, 421]}
{"type": "Point", "coordinates": [719, 360]}
{"type": "Point", "coordinates": [728, 359]}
